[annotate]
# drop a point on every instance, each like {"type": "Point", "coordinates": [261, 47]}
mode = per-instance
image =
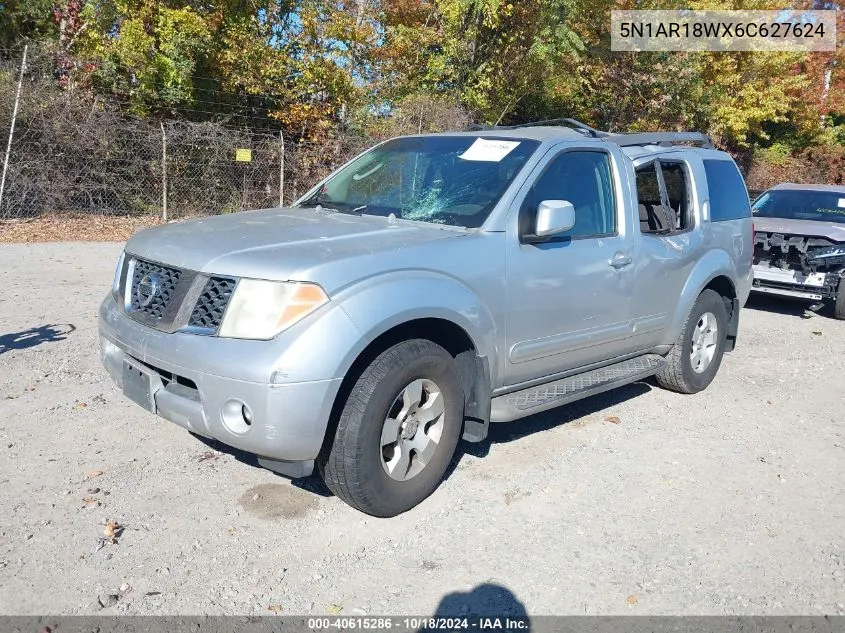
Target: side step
{"type": "Point", "coordinates": [519, 404]}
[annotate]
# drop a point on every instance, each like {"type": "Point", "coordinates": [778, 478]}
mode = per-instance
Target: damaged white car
{"type": "Point", "coordinates": [799, 244]}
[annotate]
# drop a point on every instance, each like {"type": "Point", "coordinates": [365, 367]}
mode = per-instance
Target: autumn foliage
{"type": "Point", "coordinates": [376, 66]}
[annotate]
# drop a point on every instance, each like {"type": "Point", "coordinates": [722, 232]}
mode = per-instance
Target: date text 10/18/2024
{"type": "Point", "coordinates": [428, 623]}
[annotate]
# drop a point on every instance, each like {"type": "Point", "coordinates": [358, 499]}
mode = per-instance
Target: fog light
{"type": "Point", "coordinates": [237, 416]}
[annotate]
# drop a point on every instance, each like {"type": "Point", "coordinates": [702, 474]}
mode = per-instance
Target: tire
{"type": "Point", "coordinates": [839, 303]}
{"type": "Point", "coordinates": [361, 464]}
{"type": "Point", "coordinates": [680, 374]}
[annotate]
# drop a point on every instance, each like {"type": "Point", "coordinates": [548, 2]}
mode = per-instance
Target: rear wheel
{"type": "Point", "coordinates": [697, 353]}
{"type": "Point", "coordinates": [398, 430]}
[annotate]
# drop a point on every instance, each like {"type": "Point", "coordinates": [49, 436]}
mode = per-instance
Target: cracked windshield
{"type": "Point", "coordinates": [454, 180]}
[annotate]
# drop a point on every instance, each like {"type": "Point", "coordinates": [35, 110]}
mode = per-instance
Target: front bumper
{"type": "Point", "coordinates": [794, 283]}
{"type": "Point", "coordinates": [202, 383]}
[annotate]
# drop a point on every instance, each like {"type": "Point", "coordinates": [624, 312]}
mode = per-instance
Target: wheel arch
{"type": "Point", "coordinates": [473, 368]}
{"type": "Point", "coordinates": [714, 271]}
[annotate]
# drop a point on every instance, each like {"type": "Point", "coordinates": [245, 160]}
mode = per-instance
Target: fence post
{"type": "Point", "coordinates": [12, 127]}
{"type": "Point", "coordinates": [281, 169]}
{"type": "Point", "coordinates": [163, 174]}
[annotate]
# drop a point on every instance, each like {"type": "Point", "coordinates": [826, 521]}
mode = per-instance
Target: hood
{"type": "Point", "coordinates": [834, 231]}
{"type": "Point", "coordinates": [278, 244]}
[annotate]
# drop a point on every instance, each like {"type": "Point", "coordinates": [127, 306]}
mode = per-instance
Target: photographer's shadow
{"type": "Point", "coordinates": [485, 601]}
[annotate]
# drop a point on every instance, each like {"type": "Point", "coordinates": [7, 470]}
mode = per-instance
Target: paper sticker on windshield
{"type": "Point", "coordinates": [841, 203]}
{"type": "Point", "coordinates": [491, 151]}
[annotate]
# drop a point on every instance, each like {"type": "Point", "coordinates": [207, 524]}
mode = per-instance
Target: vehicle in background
{"type": "Point", "coordinates": [431, 286]}
{"type": "Point", "coordinates": [799, 244]}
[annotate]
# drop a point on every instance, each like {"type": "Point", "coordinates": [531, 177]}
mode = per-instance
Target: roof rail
{"type": "Point", "coordinates": [571, 123]}
{"type": "Point", "coordinates": [658, 138]}
{"type": "Point", "coordinates": [665, 139]}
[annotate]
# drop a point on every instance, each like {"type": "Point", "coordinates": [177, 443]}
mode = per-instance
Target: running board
{"type": "Point", "coordinates": [519, 404]}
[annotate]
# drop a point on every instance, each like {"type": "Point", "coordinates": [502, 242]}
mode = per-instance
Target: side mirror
{"type": "Point", "coordinates": [553, 217]}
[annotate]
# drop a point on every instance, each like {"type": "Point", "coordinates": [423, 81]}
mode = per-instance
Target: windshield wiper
{"type": "Point", "coordinates": [317, 205]}
{"type": "Point", "coordinates": [339, 209]}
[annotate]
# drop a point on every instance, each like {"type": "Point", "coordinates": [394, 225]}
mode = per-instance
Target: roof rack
{"type": "Point", "coordinates": [664, 139]}
{"type": "Point", "coordinates": [572, 123]}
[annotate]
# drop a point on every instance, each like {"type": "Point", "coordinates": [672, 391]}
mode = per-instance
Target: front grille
{"type": "Point", "coordinates": [153, 295]}
{"type": "Point", "coordinates": [209, 309]}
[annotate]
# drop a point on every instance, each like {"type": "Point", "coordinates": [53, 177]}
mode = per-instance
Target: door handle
{"type": "Point", "coordinates": [620, 260]}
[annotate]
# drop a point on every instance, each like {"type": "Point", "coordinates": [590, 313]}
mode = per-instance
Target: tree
{"type": "Point", "coordinates": [22, 20]}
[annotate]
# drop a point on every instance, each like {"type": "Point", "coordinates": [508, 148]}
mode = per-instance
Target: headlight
{"type": "Point", "coordinates": [261, 309]}
{"type": "Point", "coordinates": [115, 285]}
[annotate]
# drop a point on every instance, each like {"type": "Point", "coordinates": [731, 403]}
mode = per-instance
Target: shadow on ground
{"type": "Point", "coordinates": [511, 431]}
{"type": "Point", "coordinates": [485, 600]}
{"type": "Point", "coordinates": [782, 305]}
{"type": "Point", "coordinates": [499, 433]}
{"type": "Point", "coordinates": [34, 336]}
{"type": "Point", "coordinates": [313, 484]}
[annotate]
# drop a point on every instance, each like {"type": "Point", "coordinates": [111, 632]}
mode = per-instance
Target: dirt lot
{"type": "Point", "coordinates": [728, 502]}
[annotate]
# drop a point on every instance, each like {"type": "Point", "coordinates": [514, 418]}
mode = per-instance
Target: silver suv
{"type": "Point", "coordinates": [429, 287]}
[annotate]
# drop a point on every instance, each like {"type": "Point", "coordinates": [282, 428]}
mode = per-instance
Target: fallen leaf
{"type": "Point", "coordinates": [81, 404]}
{"type": "Point", "coordinates": [632, 600]}
{"type": "Point", "coordinates": [61, 227]}
{"type": "Point", "coordinates": [90, 502]}
{"type": "Point", "coordinates": [334, 609]}
{"type": "Point", "coordinates": [93, 473]}
{"type": "Point", "coordinates": [613, 419]}
{"type": "Point", "coordinates": [112, 530]}
{"type": "Point", "coordinates": [276, 608]}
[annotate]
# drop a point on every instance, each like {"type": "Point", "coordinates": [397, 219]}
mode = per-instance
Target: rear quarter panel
{"type": "Point", "coordinates": [728, 245]}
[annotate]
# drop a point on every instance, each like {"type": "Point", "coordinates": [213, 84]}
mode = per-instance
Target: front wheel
{"type": "Point", "coordinates": [839, 302]}
{"type": "Point", "coordinates": [697, 353]}
{"type": "Point", "coordinates": [398, 430]}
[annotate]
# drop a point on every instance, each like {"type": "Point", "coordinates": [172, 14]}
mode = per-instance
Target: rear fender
{"type": "Point", "coordinates": [714, 264]}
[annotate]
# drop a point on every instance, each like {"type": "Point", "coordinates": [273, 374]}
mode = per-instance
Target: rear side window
{"type": "Point", "coordinates": [674, 175]}
{"type": "Point", "coordinates": [728, 195]}
{"type": "Point", "coordinates": [663, 197]}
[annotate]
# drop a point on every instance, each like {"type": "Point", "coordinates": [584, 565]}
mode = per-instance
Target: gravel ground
{"type": "Point", "coordinates": [727, 502]}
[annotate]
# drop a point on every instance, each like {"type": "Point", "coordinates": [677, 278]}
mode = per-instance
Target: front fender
{"type": "Point", "coordinates": [382, 302]}
{"type": "Point", "coordinates": [714, 264]}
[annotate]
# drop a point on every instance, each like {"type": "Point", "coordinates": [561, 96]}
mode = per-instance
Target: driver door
{"type": "Point", "coordinates": [569, 298]}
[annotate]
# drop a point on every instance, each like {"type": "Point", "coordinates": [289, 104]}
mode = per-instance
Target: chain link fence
{"type": "Point", "coordinates": [74, 153]}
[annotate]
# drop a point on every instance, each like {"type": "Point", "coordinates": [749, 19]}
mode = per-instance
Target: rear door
{"type": "Point", "coordinates": [669, 240]}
